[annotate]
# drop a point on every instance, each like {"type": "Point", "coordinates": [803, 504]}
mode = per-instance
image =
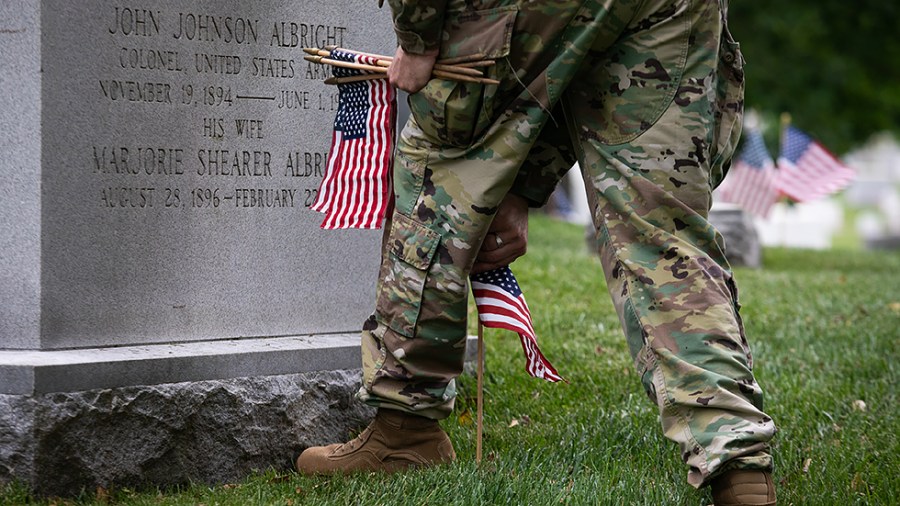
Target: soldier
{"type": "Point", "coordinates": [647, 95]}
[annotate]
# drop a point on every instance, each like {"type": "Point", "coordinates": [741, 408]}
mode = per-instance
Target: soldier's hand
{"type": "Point", "coordinates": [411, 72]}
{"type": "Point", "coordinates": [507, 237]}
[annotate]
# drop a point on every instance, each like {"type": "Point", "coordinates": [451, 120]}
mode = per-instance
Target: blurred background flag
{"type": "Point", "coordinates": [806, 170]}
{"type": "Point", "coordinates": [751, 182]}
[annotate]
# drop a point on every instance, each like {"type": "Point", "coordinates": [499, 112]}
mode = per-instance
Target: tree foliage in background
{"type": "Point", "coordinates": [833, 65]}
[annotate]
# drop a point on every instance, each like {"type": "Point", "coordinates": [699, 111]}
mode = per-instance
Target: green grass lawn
{"type": "Point", "coordinates": [825, 331]}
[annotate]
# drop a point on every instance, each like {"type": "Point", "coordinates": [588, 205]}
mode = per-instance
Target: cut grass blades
{"type": "Point", "coordinates": [824, 330]}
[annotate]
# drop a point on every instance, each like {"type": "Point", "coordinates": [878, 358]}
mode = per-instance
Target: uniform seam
{"type": "Point", "coordinates": [370, 382]}
{"type": "Point", "coordinates": [560, 51]}
{"type": "Point", "coordinates": [657, 371]}
{"type": "Point", "coordinates": [678, 412]}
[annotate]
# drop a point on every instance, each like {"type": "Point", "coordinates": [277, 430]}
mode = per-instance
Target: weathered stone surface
{"type": "Point", "coordinates": [211, 431]}
{"type": "Point", "coordinates": [20, 165]}
{"type": "Point", "coordinates": [159, 260]}
{"type": "Point", "coordinates": [160, 161]}
{"type": "Point", "coordinates": [16, 436]}
{"type": "Point", "coordinates": [742, 246]}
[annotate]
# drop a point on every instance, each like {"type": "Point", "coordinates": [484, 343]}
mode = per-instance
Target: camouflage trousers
{"type": "Point", "coordinates": [647, 96]}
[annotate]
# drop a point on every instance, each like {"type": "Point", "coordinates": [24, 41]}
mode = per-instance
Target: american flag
{"type": "Point", "coordinates": [355, 190]}
{"type": "Point", "coordinates": [501, 305]}
{"type": "Point", "coordinates": [806, 171]}
{"type": "Point", "coordinates": [751, 182]}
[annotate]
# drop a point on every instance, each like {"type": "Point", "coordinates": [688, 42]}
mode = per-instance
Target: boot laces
{"type": "Point", "coordinates": [356, 442]}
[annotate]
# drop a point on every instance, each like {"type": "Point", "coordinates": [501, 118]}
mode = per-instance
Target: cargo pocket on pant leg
{"type": "Point", "coordinates": [411, 249]}
{"type": "Point", "coordinates": [452, 113]}
{"type": "Point", "coordinates": [373, 353]}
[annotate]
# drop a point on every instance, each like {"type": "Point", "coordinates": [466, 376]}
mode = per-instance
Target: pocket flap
{"type": "Point", "coordinates": [413, 242]}
{"type": "Point", "coordinates": [486, 31]}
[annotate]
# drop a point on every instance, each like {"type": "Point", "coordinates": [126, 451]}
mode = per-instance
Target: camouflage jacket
{"type": "Point", "coordinates": [418, 23]}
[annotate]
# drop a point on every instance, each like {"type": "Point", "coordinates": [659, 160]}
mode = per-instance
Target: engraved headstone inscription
{"type": "Point", "coordinates": [183, 146]}
{"type": "Point", "coordinates": [159, 163]}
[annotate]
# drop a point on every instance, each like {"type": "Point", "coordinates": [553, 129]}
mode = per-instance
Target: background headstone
{"type": "Point", "coordinates": [161, 271]}
{"type": "Point", "coordinates": [742, 245]}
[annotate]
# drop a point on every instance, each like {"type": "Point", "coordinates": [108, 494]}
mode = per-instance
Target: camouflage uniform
{"type": "Point", "coordinates": [647, 95]}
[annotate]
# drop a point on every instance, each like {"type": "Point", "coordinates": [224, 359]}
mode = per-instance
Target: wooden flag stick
{"type": "Point", "coordinates": [383, 70]}
{"type": "Point", "coordinates": [479, 422]}
{"type": "Point", "coordinates": [385, 61]}
{"type": "Point", "coordinates": [467, 59]}
{"type": "Point", "coordinates": [346, 64]}
{"type": "Point", "coordinates": [463, 59]}
{"type": "Point", "coordinates": [464, 78]}
{"type": "Point", "coordinates": [355, 79]}
{"type": "Point", "coordinates": [470, 64]}
{"type": "Point", "coordinates": [443, 75]}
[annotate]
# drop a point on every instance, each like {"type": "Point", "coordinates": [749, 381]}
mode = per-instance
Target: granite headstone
{"type": "Point", "coordinates": [162, 273]}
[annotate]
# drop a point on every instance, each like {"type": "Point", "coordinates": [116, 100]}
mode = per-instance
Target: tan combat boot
{"type": "Point", "coordinates": [394, 441]}
{"type": "Point", "coordinates": [743, 488]}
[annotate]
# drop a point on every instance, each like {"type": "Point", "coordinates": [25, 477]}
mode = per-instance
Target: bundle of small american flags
{"type": "Point", "coordinates": [356, 189]}
{"type": "Point", "coordinates": [501, 305]}
{"type": "Point", "coordinates": [355, 193]}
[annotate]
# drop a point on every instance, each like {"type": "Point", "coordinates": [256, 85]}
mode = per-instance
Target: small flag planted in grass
{"type": "Point", "coordinates": [501, 305]}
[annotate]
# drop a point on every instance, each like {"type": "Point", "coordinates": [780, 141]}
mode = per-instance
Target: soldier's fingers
{"type": "Point", "coordinates": [479, 267]}
{"type": "Point", "coordinates": [490, 243]}
{"type": "Point", "coordinates": [485, 266]}
{"type": "Point", "coordinates": [503, 255]}
{"type": "Point", "coordinates": [492, 256]}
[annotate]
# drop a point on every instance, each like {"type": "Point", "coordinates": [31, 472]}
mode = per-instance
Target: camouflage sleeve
{"type": "Point", "coordinates": [547, 162]}
{"type": "Point", "coordinates": [418, 23]}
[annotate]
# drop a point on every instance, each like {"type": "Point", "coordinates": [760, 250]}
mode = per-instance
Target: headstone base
{"type": "Point", "coordinates": [72, 420]}
{"type": "Point", "coordinates": [207, 431]}
{"type": "Point", "coordinates": [158, 415]}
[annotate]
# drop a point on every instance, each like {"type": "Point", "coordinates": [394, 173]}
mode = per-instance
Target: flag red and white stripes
{"type": "Point", "coordinates": [751, 182]}
{"type": "Point", "coordinates": [806, 170]}
{"type": "Point", "coordinates": [501, 305]}
{"type": "Point", "coordinates": [355, 192]}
